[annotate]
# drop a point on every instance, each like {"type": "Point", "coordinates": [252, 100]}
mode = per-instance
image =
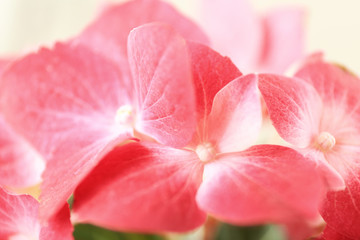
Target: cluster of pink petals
{"type": "Point", "coordinates": [318, 112]}
{"type": "Point", "coordinates": [151, 130]}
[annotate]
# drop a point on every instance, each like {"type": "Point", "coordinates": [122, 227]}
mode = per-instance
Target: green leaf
{"type": "Point", "coordinates": [91, 232]}
{"type": "Point", "coordinates": [70, 201]}
{"type": "Point", "coordinates": [274, 233]}
{"type": "Point", "coordinates": [263, 232]}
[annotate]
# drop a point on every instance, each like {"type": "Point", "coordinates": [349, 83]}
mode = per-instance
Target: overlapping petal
{"type": "Point", "coordinates": [18, 215]}
{"type": "Point", "coordinates": [69, 99]}
{"type": "Point", "coordinates": [15, 153]}
{"type": "Point", "coordinates": [294, 107]}
{"type": "Point", "coordinates": [64, 102]}
{"type": "Point", "coordinates": [338, 127]}
{"type": "Point", "coordinates": [211, 72]}
{"type": "Point", "coordinates": [341, 112]}
{"type": "Point", "coordinates": [19, 220]}
{"type": "Point", "coordinates": [341, 210]}
{"type": "Point", "coordinates": [235, 119]}
{"type": "Point", "coordinates": [328, 168]}
{"type": "Point", "coordinates": [330, 233]}
{"type": "Point", "coordinates": [297, 112]}
{"type": "Point", "coordinates": [333, 82]}
{"type": "Point", "coordinates": [142, 187]}
{"type": "Point", "coordinates": [162, 77]}
{"type": "Point", "coordinates": [54, 97]}
{"type": "Point", "coordinates": [298, 229]}
{"type": "Point", "coordinates": [109, 32]}
{"type": "Point", "coordinates": [260, 185]}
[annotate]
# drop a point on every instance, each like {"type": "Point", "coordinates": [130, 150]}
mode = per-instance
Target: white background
{"type": "Point", "coordinates": [332, 26]}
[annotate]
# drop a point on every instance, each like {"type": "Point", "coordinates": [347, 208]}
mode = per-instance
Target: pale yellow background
{"type": "Point", "coordinates": [332, 26]}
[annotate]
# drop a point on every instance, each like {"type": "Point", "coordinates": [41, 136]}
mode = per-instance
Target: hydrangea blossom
{"type": "Point", "coordinates": [74, 108]}
{"type": "Point", "coordinates": [318, 111]}
{"type": "Point", "coordinates": [159, 188]}
{"type": "Point", "coordinates": [268, 43]}
{"type": "Point", "coordinates": [19, 220]}
{"type": "Point", "coordinates": [165, 126]}
{"type": "Point", "coordinates": [77, 110]}
{"type": "Point", "coordinates": [108, 38]}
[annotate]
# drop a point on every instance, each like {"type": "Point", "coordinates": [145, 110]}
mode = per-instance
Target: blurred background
{"type": "Point", "coordinates": [332, 26]}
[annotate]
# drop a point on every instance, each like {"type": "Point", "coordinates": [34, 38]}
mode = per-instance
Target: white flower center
{"type": "Point", "coordinates": [124, 115]}
{"type": "Point", "coordinates": [206, 152]}
{"type": "Point", "coordinates": [325, 142]}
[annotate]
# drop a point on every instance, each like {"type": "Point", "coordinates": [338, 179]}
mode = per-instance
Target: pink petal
{"type": "Point", "coordinates": [108, 33]}
{"type": "Point", "coordinates": [235, 119]}
{"type": "Point", "coordinates": [341, 210]}
{"type": "Point", "coordinates": [52, 95]}
{"type": "Point", "coordinates": [142, 187]}
{"type": "Point", "coordinates": [162, 75]}
{"type": "Point", "coordinates": [333, 82]}
{"type": "Point", "coordinates": [58, 227]}
{"type": "Point", "coordinates": [294, 108]}
{"type": "Point", "coordinates": [300, 230]}
{"type": "Point", "coordinates": [327, 169]}
{"type": "Point", "coordinates": [339, 90]}
{"type": "Point", "coordinates": [234, 29]}
{"type": "Point", "coordinates": [64, 102]}
{"type": "Point", "coordinates": [211, 72]}
{"type": "Point", "coordinates": [15, 153]}
{"type": "Point", "coordinates": [284, 40]}
{"type": "Point", "coordinates": [261, 185]}
{"type": "Point", "coordinates": [341, 110]}
{"type": "Point", "coordinates": [297, 112]}
{"type": "Point", "coordinates": [3, 64]}
{"type": "Point", "coordinates": [18, 215]}
{"type": "Point", "coordinates": [19, 218]}
{"type": "Point", "coordinates": [330, 234]}
{"type": "Point", "coordinates": [63, 175]}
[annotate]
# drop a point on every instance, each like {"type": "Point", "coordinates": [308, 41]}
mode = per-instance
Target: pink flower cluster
{"type": "Point", "coordinates": [151, 130]}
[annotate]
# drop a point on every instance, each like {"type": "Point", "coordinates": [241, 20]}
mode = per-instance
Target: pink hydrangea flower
{"type": "Point", "coordinates": [160, 188]}
{"type": "Point", "coordinates": [77, 110]}
{"type": "Point", "coordinates": [104, 34]}
{"type": "Point", "coordinates": [268, 43]}
{"type": "Point", "coordinates": [19, 220]}
{"type": "Point", "coordinates": [318, 111]}
{"type": "Point", "coordinates": [74, 107]}
{"type": "Point", "coordinates": [108, 38]}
